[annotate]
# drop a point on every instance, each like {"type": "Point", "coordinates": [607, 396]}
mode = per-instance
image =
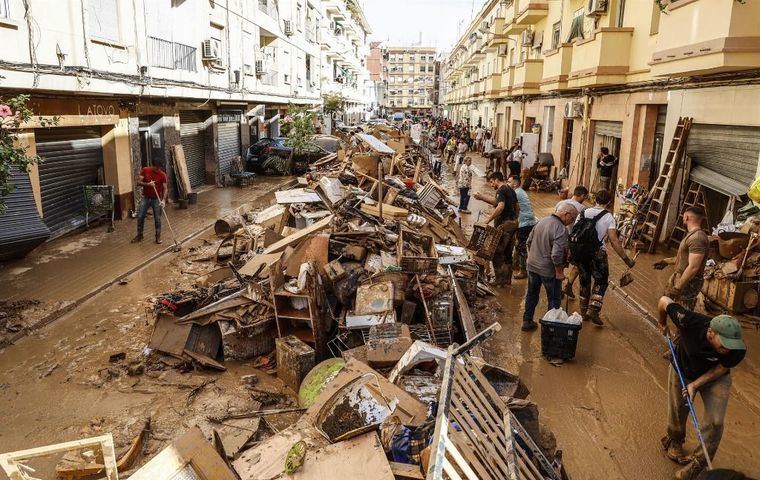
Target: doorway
{"type": "Point", "coordinates": [547, 132]}
{"type": "Point", "coordinates": [567, 146]}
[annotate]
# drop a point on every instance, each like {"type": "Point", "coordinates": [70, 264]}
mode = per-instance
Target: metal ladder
{"type": "Point", "coordinates": [663, 187]}
{"type": "Point", "coordinates": [695, 197]}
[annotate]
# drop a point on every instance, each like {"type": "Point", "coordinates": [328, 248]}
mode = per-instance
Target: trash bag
{"type": "Point", "coordinates": [557, 315]}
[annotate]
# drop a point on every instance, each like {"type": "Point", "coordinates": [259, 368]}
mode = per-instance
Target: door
{"type": "Point", "coordinates": [516, 130]}
{"type": "Point", "coordinates": [567, 148]}
{"type": "Point", "coordinates": [657, 143]}
{"type": "Point", "coordinates": [547, 132]}
{"type": "Point", "coordinates": [498, 131]}
{"type": "Point", "coordinates": [72, 158]}
{"type": "Point", "coordinates": [193, 137]}
{"type": "Point", "coordinates": [229, 140]}
{"type": "Point", "coordinates": [606, 134]}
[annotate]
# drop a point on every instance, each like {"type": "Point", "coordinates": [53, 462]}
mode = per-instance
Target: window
{"type": "Point", "coordinates": [621, 13]}
{"type": "Point", "coordinates": [422, 68]}
{"type": "Point", "coordinates": [217, 36]}
{"type": "Point", "coordinates": [431, 58]}
{"type": "Point", "coordinates": [248, 50]}
{"type": "Point", "coordinates": [576, 28]}
{"type": "Point", "coordinates": [556, 35]}
{"type": "Point", "coordinates": [104, 19]}
{"type": "Point", "coordinates": [654, 28]}
{"type": "Point", "coordinates": [5, 11]}
{"type": "Point", "coordinates": [430, 69]}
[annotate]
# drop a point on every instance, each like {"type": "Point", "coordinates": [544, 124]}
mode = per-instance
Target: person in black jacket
{"type": "Point", "coordinates": [606, 164]}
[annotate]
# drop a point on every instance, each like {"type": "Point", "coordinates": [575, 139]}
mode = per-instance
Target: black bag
{"type": "Point", "coordinates": [584, 241]}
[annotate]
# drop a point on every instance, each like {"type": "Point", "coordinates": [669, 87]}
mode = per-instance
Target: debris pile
{"type": "Point", "coordinates": [357, 285]}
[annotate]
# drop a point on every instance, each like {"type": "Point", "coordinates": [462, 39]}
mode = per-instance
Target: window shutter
{"type": "Point", "coordinates": [104, 19]}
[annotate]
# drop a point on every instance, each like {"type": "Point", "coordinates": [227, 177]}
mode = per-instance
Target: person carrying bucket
{"type": "Point", "coordinates": [701, 362]}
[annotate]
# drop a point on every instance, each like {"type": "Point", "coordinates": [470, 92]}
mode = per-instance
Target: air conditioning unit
{"type": "Point", "coordinates": [573, 110]}
{"type": "Point", "coordinates": [527, 38]}
{"type": "Point", "coordinates": [288, 27]}
{"type": "Point", "coordinates": [596, 7]}
{"type": "Point", "coordinates": [248, 69]}
{"type": "Point", "coordinates": [211, 49]}
{"type": "Point", "coordinates": [502, 50]}
{"type": "Point", "coordinates": [259, 67]}
{"type": "Point", "coordinates": [484, 26]}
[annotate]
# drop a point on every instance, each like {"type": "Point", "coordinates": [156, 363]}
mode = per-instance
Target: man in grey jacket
{"type": "Point", "coordinates": [547, 256]}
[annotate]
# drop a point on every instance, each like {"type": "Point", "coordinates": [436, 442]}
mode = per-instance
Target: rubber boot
{"type": "Point", "coordinates": [595, 309]}
{"type": "Point", "coordinates": [138, 238]}
{"type": "Point", "coordinates": [567, 290]}
{"type": "Point", "coordinates": [584, 308]}
{"type": "Point", "coordinates": [500, 277]}
{"type": "Point", "coordinates": [158, 238]}
{"type": "Point", "coordinates": [521, 274]}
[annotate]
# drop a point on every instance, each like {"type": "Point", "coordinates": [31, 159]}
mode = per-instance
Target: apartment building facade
{"type": "Point", "coordinates": [345, 48]}
{"type": "Point", "coordinates": [409, 78]}
{"type": "Point", "coordinates": [128, 80]}
{"type": "Point", "coordinates": [584, 74]}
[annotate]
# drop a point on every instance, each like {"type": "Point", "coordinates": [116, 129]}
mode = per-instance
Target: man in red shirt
{"type": "Point", "coordinates": [153, 180]}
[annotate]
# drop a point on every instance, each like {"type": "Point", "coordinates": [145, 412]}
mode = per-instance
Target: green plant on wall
{"type": "Point", "coordinates": [14, 112]}
{"type": "Point", "coordinates": [663, 4]}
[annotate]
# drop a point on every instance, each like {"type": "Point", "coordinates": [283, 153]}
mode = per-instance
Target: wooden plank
{"type": "Point", "coordinates": [11, 462]}
{"type": "Point", "coordinates": [180, 166]}
{"type": "Point", "coordinates": [465, 315]}
{"type": "Point", "coordinates": [488, 449]}
{"type": "Point", "coordinates": [406, 471]}
{"type": "Point", "coordinates": [299, 235]}
{"type": "Point", "coordinates": [459, 459]}
{"type": "Point", "coordinates": [473, 459]}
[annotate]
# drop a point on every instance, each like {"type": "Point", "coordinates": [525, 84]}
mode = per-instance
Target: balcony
{"type": "Point", "coordinates": [722, 37]}
{"type": "Point", "coordinates": [495, 35]}
{"type": "Point", "coordinates": [269, 7]}
{"type": "Point", "coordinates": [511, 27]}
{"type": "Point", "coordinates": [557, 65]}
{"type": "Point", "coordinates": [602, 59]}
{"type": "Point", "coordinates": [528, 76]}
{"type": "Point", "coordinates": [507, 80]}
{"type": "Point", "coordinates": [531, 11]}
{"type": "Point", "coordinates": [493, 85]}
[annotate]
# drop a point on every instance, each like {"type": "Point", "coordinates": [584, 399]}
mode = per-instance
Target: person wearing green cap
{"type": "Point", "coordinates": [706, 350]}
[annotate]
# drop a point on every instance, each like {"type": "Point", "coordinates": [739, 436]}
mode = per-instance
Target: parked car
{"type": "Point", "coordinates": [268, 155]}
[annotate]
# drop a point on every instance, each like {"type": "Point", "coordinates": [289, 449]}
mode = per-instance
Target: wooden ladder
{"type": "Point", "coordinates": [663, 187]}
{"type": "Point", "coordinates": [695, 197]}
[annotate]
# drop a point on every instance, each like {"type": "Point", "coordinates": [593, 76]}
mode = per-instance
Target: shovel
{"type": "Point", "coordinates": [627, 277]}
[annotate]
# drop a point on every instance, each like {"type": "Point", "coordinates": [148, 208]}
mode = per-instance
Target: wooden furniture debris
{"type": "Point", "coordinates": [123, 464]}
{"type": "Point", "coordinates": [298, 235]}
{"type": "Point", "coordinates": [299, 314]}
{"type": "Point", "coordinates": [14, 463]}
{"type": "Point", "coordinates": [180, 171]}
{"type": "Point", "coordinates": [389, 212]}
{"type": "Point", "coordinates": [375, 144]}
{"type": "Point", "coordinates": [295, 360]}
{"type": "Point", "coordinates": [476, 436]}
{"type": "Point", "coordinates": [659, 197]}
{"type": "Point", "coordinates": [416, 252]}
{"type": "Point", "coordinates": [189, 456]}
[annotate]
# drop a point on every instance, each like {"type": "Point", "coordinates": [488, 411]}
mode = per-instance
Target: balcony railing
{"type": "Point", "coordinates": [172, 55]}
{"type": "Point", "coordinates": [721, 37]}
{"type": "Point", "coordinates": [557, 65]}
{"type": "Point", "coordinates": [602, 59]}
{"type": "Point", "coordinates": [269, 7]}
{"type": "Point", "coordinates": [531, 11]}
{"type": "Point", "coordinates": [271, 78]}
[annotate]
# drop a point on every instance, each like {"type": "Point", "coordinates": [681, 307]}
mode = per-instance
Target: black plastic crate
{"type": "Point", "coordinates": [559, 340]}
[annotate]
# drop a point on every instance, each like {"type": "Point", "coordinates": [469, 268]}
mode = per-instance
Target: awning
{"type": "Point", "coordinates": [715, 181]}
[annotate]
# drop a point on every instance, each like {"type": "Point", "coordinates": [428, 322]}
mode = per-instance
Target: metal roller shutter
{"type": "Point", "coordinates": [609, 129]}
{"type": "Point", "coordinates": [730, 151]}
{"type": "Point", "coordinates": [229, 146]}
{"type": "Point", "coordinates": [21, 228]}
{"type": "Point", "coordinates": [72, 158]}
{"type": "Point", "coordinates": [193, 139]}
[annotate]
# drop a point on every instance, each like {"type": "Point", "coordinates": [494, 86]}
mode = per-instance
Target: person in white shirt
{"type": "Point", "coordinates": [596, 270]}
{"type": "Point", "coordinates": [479, 134]}
{"type": "Point", "coordinates": [580, 195]}
{"type": "Point", "coordinates": [487, 144]}
{"type": "Point", "coordinates": [464, 183]}
{"type": "Point", "coordinates": [461, 150]}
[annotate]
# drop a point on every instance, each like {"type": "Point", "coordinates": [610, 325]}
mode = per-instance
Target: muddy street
{"type": "Point", "coordinates": [607, 407]}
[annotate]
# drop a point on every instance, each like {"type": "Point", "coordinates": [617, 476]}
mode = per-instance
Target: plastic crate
{"type": "Point", "coordinates": [559, 340]}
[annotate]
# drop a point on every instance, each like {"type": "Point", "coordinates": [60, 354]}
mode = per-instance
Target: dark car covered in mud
{"type": "Point", "coordinates": [272, 156]}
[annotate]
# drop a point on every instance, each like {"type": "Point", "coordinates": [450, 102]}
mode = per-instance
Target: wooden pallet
{"type": "Point", "coordinates": [663, 188]}
{"type": "Point", "coordinates": [695, 197]}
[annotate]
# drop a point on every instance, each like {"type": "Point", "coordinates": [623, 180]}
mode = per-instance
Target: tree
{"type": "Point", "coordinates": [14, 112]}
{"type": "Point", "coordinates": [333, 103]}
{"type": "Point", "coordinates": [298, 128]}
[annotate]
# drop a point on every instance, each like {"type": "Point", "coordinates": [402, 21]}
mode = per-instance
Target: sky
{"type": "Point", "coordinates": [400, 21]}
